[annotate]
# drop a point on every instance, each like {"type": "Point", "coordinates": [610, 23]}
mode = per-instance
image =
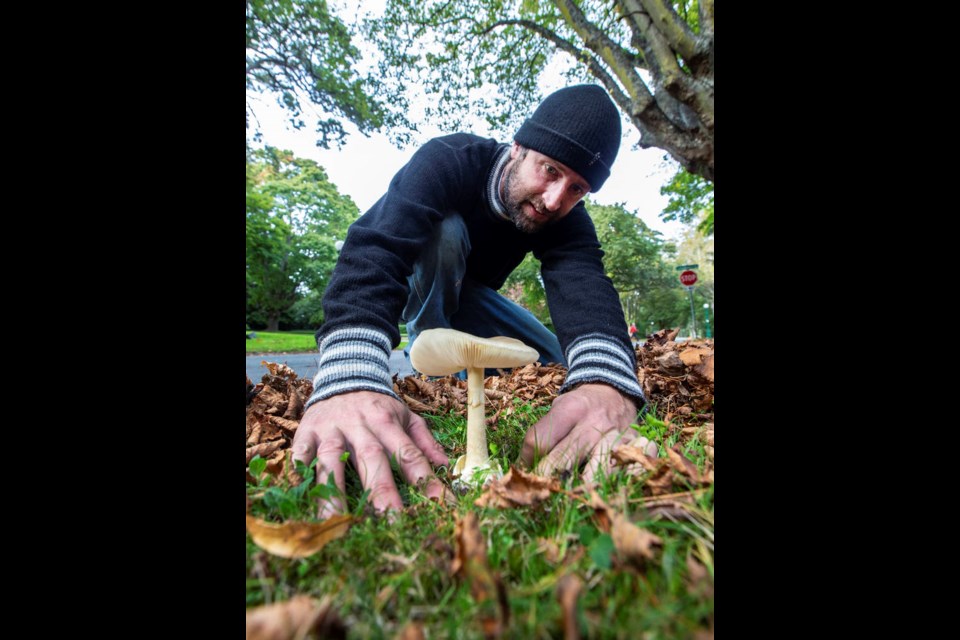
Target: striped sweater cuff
{"type": "Point", "coordinates": [353, 359]}
{"type": "Point", "coordinates": [597, 358]}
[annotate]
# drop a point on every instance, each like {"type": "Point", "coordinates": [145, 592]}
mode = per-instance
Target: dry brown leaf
{"type": "Point", "coordinates": [705, 368]}
{"type": "Point", "coordinates": [670, 364]}
{"type": "Point", "coordinates": [425, 387]}
{"type": "Point", "coordinates": [269, 399]}
{"type": "Point", "coordinates": [279, 370]}
{"type": "Point", "coordinates": [293, 539]}
{"type": "Point", "coordinates": [550, 550]}
{"type": "Point", "coordinates": [299, 617]}
{"type": "Point", "coordinates": [631, 541]}
{"type": "Point", "coordinates": [294, 405]}
{"type": "Point", "coordinates": [516, 489]}
{"type": "Point", "coordinates": [682, 464]}
{"type": "Point", "coordinates": [416, 405]}
{"type": "Point", "coordinates": [661, 482]}
{"type": "Point", "coordinates": [281, 465]}
{"type": "Point", "coordinates": [626, 454]}
{"type": "Point", "coordinates": [693, 356]}
{"type": "Point", "coordinates": [264, 450]}
{"type": "Point", "coordinates": [289, 426]}
{"type": "Point", "coordinates": [568, 590]}
{"type": "Point", "coordinates": [470, 563]}
{"type": "Point", "coordinates": [254, 430]}
{"type": "Point", "coordinates": [411, 631]}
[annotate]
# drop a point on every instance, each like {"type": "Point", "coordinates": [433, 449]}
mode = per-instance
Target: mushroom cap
{"type": "Point", "coordinates": [437, 352]}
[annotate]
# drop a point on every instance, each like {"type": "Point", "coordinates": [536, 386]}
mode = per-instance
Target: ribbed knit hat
{"type": "Point", "coordinates": [578, 126]}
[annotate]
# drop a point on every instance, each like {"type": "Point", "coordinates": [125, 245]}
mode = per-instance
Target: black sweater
{"type": "Point", "coordinates": [368, 289]}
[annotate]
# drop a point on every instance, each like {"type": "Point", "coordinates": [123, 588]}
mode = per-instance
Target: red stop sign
{"type": "Point", "coordinates": [688, 277]}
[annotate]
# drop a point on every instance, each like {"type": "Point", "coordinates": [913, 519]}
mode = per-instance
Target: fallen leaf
{"type": "Point", "coordinates": [295, 539]}
{"type": "Point", "coordinates": [279, 370]}
{"type": "Point", "coordinates": [282, 465]}
{"type": "Point", "coordinates": [411, 631]}
{"type": "Point", "coordinates": [294, 406]}
{"type": "Point", "coordinates": [263, 450]}
{"type": "Point", "coordinates": [299, 617]}
{"type": "Point", "coordinates": [287, 425]}
{"type": "Point", "coordinates": [568, 590]}
{"type": "Point", "coordinates": [632, 543]}
{"type": "Point", "coordinates": [627, 454]}
{"type": "Point", "coordinates": [549, 548]}
{"type": "Point", "coordinates": [416, 405]}
{"type": "Point", "coordinates": [705, 368]}
{"type": "Point", "coordinates": [683, 465]}
{"type": "Point", "coordinates": [661, 482]}
{"type": "Point", "coordinates": [470, 564]}
{"type": "Point", "coordinates": [516, 489]}
{"type": "Point", "coordinates": [670, 364]}
{"type": "Point", "coordinates": [693, 356]}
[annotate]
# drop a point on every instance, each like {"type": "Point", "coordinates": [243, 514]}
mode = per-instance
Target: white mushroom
{"type": "Point", "coordinates": [438, 352]}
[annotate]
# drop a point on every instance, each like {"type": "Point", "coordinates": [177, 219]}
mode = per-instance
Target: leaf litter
{"type": "Point", "coordinates": [677, 379]}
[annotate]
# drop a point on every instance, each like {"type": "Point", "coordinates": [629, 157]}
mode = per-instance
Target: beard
{"type": "Point", "coordinates": [513, 202]}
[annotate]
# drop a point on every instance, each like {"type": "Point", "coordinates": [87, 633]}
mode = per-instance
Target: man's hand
{"type": "Point", "coordinates": [583, 424]}
{"type": "Point", "coordinates": [372, 427]}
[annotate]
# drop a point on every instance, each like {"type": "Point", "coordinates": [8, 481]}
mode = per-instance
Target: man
{"type": "Point", "coordinates": [455, 222]}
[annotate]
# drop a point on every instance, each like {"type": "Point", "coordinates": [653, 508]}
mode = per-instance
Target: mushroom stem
{"type": "Point", "coordinates": [477, 454]}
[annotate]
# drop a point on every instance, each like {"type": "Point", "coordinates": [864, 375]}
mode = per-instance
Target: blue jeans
{"type": "Point", "coordinates": [441, 296]}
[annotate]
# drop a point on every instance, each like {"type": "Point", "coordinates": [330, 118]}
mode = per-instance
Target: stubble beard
{"type": "Point", "coordinates": [513, 202]}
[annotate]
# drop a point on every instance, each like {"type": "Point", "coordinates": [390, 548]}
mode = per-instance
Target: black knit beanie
{"type": "Point", "coordinates": [578, 126]}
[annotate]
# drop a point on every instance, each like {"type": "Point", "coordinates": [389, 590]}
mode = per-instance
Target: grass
{"type": "Point", "coordinates": [300, 341]}
{"type": "Point", "coordinates": [383, 574]}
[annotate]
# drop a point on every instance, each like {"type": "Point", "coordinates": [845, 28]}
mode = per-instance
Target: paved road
{"type": "Point", "coordinates": [305, 364]}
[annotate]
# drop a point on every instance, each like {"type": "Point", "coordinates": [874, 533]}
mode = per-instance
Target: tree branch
{"type": "Point", "coordinates": [706, 18]}
{"type": "Point", "coordinates": [616, 58]}
{"type": "Point", "coordinates": [676, 32]}
{"type": "Point", "coordinates": [697, 92]}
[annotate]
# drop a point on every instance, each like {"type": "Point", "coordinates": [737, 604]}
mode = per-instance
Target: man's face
{"type": "Point", "coordinates": [537, 190]}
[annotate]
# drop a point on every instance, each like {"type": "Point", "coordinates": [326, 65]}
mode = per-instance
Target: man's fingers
{"type": "Point", "coordinates": [543, 436]}
{"type": "Point", "coordinates": [373, 467]}
{"type": "Point", "coordinates": [329, 461]}
{"type": "Point", "coordinates": [568, 453]}
{"type": "Point", "coordinates": [304, 445]}
{"type": "Point", "coordinates": [410, 454]}
{"type": "Point", "coordinates": [600, 456]}
{"type": "Point", "coordinates": [423, 438]}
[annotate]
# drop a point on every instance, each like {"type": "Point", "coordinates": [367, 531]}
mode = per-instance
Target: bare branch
{"type": "Point", "coordinates": [667, 73]}
{"type": "Point", "coordinates": [616, 58]}
{"type": "Point", "coordinates": [676, 32]}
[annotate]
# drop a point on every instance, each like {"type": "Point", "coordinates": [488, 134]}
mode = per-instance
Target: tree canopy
{"type": "Point", "coordinates": [691, 200]}
{"type": "Point", "coordinates": [294, 217]}
{"type": "Point", "coordinates": [654, 58]}
{"type": "Point", "coordinates": [297, 50]}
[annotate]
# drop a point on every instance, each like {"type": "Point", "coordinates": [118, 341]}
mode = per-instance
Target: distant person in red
{"type": "Point", "coordinates": [633, 332]}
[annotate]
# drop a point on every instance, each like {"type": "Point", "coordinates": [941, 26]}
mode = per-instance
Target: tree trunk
{"type": "Point", "coordinates": [273, 322]}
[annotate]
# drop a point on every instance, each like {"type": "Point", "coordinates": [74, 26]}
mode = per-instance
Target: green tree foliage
{"type": "Point", "coordinates": [691, 198]}
{"type": "Point", "coordinates": [636, 259]}
{"type": "Point", "coordinates": [639, 263]}
{"type": "Point", "coordinates": [294, 217]}
{"type": "Point", "coordinates": [297, 50]}
{"type": "Point", "coordinates": [525, 287]}
{"type": "Point", "coordinates": [695, 248]}
{"type": "Point", "coordinates": [655, 59]}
